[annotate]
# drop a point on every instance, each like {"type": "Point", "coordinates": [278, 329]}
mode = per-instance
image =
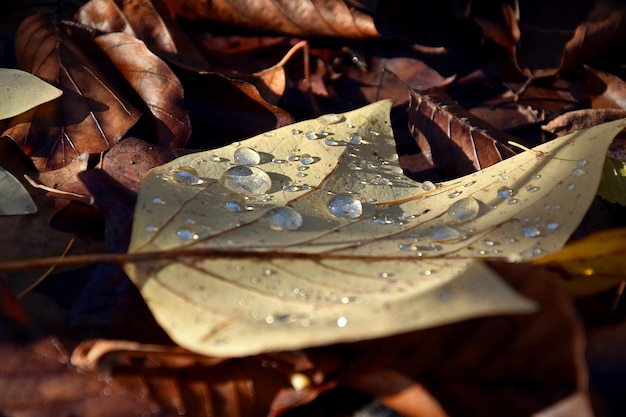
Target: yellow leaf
{"type": "Point", "coordinates": [325, 240]}
{"type": "Point", "coordinates": [21, 91]}
{"type": "Point", "coordinates": [592, 264]}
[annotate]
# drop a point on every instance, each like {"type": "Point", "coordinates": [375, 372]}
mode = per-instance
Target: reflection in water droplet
{"type": "Point", "coordinates": [310, 135]}
{"type": "Point", "coordinates": [428, 185]}
{"type": "Point", "coordinates": [444, 232]}
{"type": "Point", "coordinates": [552, 225]}
{"type": "Point", "coordinates": [345, 207]}
{"type": "Point", "coordinates": [454, 194]}
{"type": "Point", "coordinates": [246, 156]}
{"type": "Point", "coordinates": [505, 192]}
{"type": "Point", "coordinates": [578, 172]}
{"type": "Point", "coordinates": [306, 159]}
{"type": "Point", "coordinates": [233, 206]}
{"type": "Point", "coordinates": [214, 158]}
{"type": "Point", "coordinates": [186, 235]}
{"type": "Point", "coordinates": [531, 231]}
{"type": "Point", "coordinates": [464, 209]}
{"type": "Point", "coordinates": [582, 163]}
{"type": "Point", "coordinates": [187, 176]}
{"type": "Point", "coordinates": [355, 138]}
{"type": "Point", "coordinates": [246, 180]}
{"type": "Point", "coordinates": [283, 218]}
{"type": "Point", "coordinates": [331, 118]}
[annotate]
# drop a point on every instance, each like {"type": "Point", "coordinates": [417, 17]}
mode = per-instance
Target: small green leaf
{"type": "Point", "coordinates": [22, 91]}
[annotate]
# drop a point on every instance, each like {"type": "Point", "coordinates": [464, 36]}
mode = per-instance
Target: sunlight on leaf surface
{"type": "Point", "coordinates": [374, 252]}
{"type": "Point", "coordinates": [21, 91]}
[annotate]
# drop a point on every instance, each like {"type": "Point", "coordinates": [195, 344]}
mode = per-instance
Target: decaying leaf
{"type": "Point", "coordinates": [325, 240]}
{"type": "Point", "coordinates": [21, 91]}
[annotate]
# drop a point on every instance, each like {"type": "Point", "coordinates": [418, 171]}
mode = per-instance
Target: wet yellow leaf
{"type": "Point", "coordinates": [21, 91]}
{"type": "Point", "coordinates": [324, 240]}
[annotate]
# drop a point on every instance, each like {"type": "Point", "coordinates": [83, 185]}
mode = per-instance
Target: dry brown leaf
{"type": "Point", "coordinates": [155, 83]}
{"type": "Point", "coordinates": [454, 141]}
{"type": "Point", "coordinates": [299, 18]}
{"type": "Point", "coordinates": [89, 117]}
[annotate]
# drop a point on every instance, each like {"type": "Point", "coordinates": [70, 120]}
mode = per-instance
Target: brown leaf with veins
{"type": "Point", "coordinates": [155, 83]}
{"type": "Point", "coordinates": [455, 142]}
{"type": "Point", "coordinates": [147, 20]}
{"type": "Point", "coordinates": [298, 18]}
{"type": "Point", "coordinates": [89, 117]}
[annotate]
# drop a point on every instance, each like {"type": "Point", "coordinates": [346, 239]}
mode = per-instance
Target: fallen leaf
{"type": "Point", "coordinates": [156, 84]}
{"type": "Point", "coordinates": [89, 117]}
{"type": "Point", "coordinates": [361, 251]}
{"type": "Point", "coordinates": [613, 184]}
{"type": "Point", "coordinates": [14, 199]}
{"type": "Point", "coordinates": [22, 91]}
{"type": "Point", "coordinates": [304, 18]}
{"type": "Point", "coordinates": [590, 265]}
{"type": "Point", "coordinates": [455, 142]}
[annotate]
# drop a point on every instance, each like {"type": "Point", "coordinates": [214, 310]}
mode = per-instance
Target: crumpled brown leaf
{"type": "Point", "coordinates": [89, 117]}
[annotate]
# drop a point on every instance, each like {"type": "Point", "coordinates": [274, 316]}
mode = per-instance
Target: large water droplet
{"type": "Point", "coordinates": [355, 138]}
{"type": "Point", "coordinates": [578, 172]}
{"type": "Point", "coordinates": [531, 231]}
{"type": "Point", "coordinates": [246, 156]}
{"type": "Point", "coordinates": [311, 135]}
{"type": "Point", "coordinates": [331, 118]}
{"type": "Point", "coordinates": [428, 185]}
{"type": "Point", "coordinates": [505, 192]}
{"type": "Point", "coordinates": [246, 180]}
{"type": "Point", "coordinates": [582, 163]}
{"type": "Point", "coordinates": [464, 209]}
{"type": "Point", "coordinates": [282, 218]}
{"type": "Point", "coordinates": [187, 176]}
{"type": "Point", "coordinates": [345, 207]}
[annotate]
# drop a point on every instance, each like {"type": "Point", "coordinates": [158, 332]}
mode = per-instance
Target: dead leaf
{"type": "Point", "coordinates": [377, 247]}
{"type": "Point", "coordinates": [89, 117]}
{"type": "Point", "coordinates": [613, 184]}
{"type": "Point", "coordinates": [22, 91]}
{"type": "Point", "coordinates": [14, 199]}
{"type": "Point", "coordinates": [155, 83]}
{"type": "Point", "coordinates": [304, 18]}
{"type": "Point", "coordinates": [454, 141]}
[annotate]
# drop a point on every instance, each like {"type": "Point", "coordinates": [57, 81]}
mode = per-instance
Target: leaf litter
{"type": "Point", "coordinates": [374, 253]}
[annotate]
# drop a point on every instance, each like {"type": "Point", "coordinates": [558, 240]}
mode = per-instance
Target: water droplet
{"type": "Point", "coordinates": [233, 206]}
{"type": "Point", "coordinates": [186, 235]}
{"type": "Point", "coordinates": [571, 187]}
{"type": "Point", "coordinates": [444, 233]}
{"type": "Point", "coordinates": [214, 158]}
{"type": "Point", "coordinates": [578, 172]}
{"type": "Point", "coordinates": [331, 118]}
{"type": "Point", "coordinates": [536, 176]}
{"type": "Point", "coordinates": [278, 161]}
{"type": "Point", "coordinates": [246, 156]}
{"type": "Point", "coordinates": [355, 138]}
{"type": "Point", "coordinates": [291, 188]}
{"type": "Point", "coordinates": [453, 194]}
{"type": "Point", "coordinates": [464, 209]}
{"type": "Point", "coordinates": [282, 218]}
{"type": "Point", "coordinates": [531, 231]}
{"type": "Point", "coordinates": [385, 181]}
{"type": "Point", "coordinates": [158, 200]}
{"type": "Point", "coordinates": [311, 135]}
{"type": "Point", "coordinates": [505, 192]}
{"type": "Point", "coordinates": [306, 159]}
{"type": "Point", "coordinates": [532, 188]}
{"type": "Point", "coordinates": [293, 158]}
{"type": "Point", "coordinates": [552, 225]}
{"type": "Point", "coordinates": [331, 142]}
{"type": "Point", "coordinates": [582, 163]}
{"type": "Point", "coordinates": [342, 322]}
{"type": "Point", "coordinates": [187, 176]}
{"type": "Point", "coordinates": [246, 180]}
{"type": "Point", "coordinates": [345, 207]}
{"type": "Point", "coordinates": [428, 185]}
{"type": "Point", "coordinates": [489, 243]}
{"type": "Point", "coordinates": [295, 131]}
{"type": "Point", "coordinates": [512, 201]}
{"type": "Point", "coordinates": [151, 228]}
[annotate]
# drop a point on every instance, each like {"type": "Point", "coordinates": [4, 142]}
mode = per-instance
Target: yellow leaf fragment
{"type": "Point", "coordinates": [311, 234]}
{"type": "Point", "coordinates": [613, 184]}
{"type": "Point", "coordinates": [21, 91]}
{"type": "Point", "coordinates": [592, 264]}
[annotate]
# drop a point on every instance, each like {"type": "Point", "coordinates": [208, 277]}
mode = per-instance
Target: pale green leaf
{"type": "Point", "coordinates": [14, 199]}
{"type": "Point", "coordinates": [407, 262]}
{"type": "Point", "coordinates": [22, 91]}
{"type": "Point", "coordinates": [613, 183]}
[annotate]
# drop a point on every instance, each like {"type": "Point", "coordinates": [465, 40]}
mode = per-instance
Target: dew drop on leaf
{"type": "Point", "coordinates": [345, 207]}
{"type": "Point", "coordinates": [185, 235]}
{"type": "Point", "coordinates": [306, 159]}
{"type": "Point", "coordinates": [464, 209]}
{"type": "Point", "coordinates": [214, 158]}
{"type": "Point", "coordinates": [578, 172]}
{"type": "Point", "coordinates": [505, 192]}
{"type": "Point", "coordinates": [246, 180]}
{"type": "Point", "coordinates": [331, 118]}
{"type": "Point", "coordinates": [355, 138]}
{"type": "Point", "coordinates": [246, 156]}
{"type": "Point", "coordinates": [582, 162]}
{"type": "Point", "coordinates": [311, 135]}
{"type": "Point", "coordinates": [233, 206]}
{"type": "Point", "coordinates": [187, 176]}
{"type": "Point", "coordinates": [531, 231]}
{"type": "Point", "coordinates": [444, 233]}
{"type": "Point", "coordinates": [342, 322]}
{"type": "Point", "coordinates": [552, 225]}
{"type": "Point", "coordinates": [428, 185]}
{"type": "Point", "coordinates": [283, 218]}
